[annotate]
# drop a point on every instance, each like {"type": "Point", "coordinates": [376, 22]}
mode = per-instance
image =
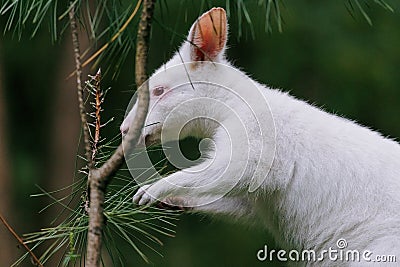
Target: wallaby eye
{"type": "Point", "coordinates": [159, 90]}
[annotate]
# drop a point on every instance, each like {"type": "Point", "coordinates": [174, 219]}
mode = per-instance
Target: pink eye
{"type": "Point", "coordinates": [159, 90]}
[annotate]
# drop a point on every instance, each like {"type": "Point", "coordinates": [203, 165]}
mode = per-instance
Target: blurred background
{"type": "Point", "coordinates": [325, 54]}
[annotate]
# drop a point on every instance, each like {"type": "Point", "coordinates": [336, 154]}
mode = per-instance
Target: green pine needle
{"type": "Point", "coordinates": [139, 227]}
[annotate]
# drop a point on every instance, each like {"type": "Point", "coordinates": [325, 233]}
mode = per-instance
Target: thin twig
{"type": "Point", "coordinates": [109, 168]}
{"type": "Point", "coordinates": [100, 177]}
{"type": "Point", "coordinates": [78, 66]}
{"type": "Point", "coordinates": [98, 94]}
{"type": "Point", "coordinates": [82, 110]}
{"type": "Point", "coordinates": [19, 239]}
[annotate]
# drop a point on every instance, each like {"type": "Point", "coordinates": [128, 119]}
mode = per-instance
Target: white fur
{"type": "Point", "coordinates": [331, 178]}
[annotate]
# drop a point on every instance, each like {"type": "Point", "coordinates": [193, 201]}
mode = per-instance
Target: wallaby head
{"type": "Point", "coordinates": [170, 85]}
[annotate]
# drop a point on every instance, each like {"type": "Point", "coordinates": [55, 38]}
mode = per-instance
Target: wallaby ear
{"type": "Point", "coordinates": [208, 35]}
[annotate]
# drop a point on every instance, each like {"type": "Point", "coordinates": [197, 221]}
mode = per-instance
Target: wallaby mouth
{"type": "Point", "coordinates": [153, 138]}
{"type": "Point", "coordinates": [150, 140]}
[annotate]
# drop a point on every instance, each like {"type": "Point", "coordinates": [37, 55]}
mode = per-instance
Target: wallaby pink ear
{"type": "Point", "coordinates": [208, 35]}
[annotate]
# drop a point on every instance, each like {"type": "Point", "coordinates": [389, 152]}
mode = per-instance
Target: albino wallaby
{"type": "Point", "coordinates": [319, 178]}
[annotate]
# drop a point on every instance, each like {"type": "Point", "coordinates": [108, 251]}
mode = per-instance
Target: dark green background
{"type": "Point", "coordinates": [324, 55]}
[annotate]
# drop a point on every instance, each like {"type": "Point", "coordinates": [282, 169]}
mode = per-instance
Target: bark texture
{"type": "Point", "coordinates": [99, 178]}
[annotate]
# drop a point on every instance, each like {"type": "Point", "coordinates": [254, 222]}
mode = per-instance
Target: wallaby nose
{"type": "Point", "coordinates": [124, 129]}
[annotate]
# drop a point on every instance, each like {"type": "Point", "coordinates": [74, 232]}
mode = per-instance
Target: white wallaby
{"type": "Point", "coordinates": [329, 178]}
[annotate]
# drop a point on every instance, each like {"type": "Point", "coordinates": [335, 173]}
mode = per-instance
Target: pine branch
{"type": "Point", "coordinates": [100, 177]}
{"type": "Point", "coordinates": [96, 91]}
{"type": "Point", "coordinates": [78, 71]}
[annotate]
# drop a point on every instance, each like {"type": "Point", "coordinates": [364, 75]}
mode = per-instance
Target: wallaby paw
{"type": "Point", "coordinates": [152, 193]}
{"type": "Point", "coordinates": [142, 197]}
